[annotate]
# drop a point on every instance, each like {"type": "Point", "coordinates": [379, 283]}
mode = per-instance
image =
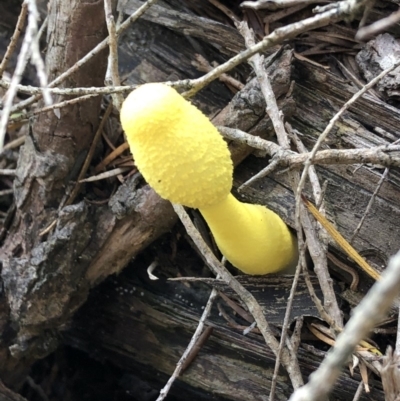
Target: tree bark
{"type": "Point", "coordinates": [39, 272]}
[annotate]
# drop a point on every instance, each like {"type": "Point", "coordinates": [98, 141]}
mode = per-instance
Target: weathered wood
{"type": "Point", "coordinates": [225, 38]}
{"type": "Point", "coordinates": [142, 325]}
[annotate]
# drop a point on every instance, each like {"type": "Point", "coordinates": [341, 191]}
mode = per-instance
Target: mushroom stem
{"type": "Point", "coordinates": [252, 237]}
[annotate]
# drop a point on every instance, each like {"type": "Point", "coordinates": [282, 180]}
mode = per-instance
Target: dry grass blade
{"type": "Point", "coordinates": [350, 251]}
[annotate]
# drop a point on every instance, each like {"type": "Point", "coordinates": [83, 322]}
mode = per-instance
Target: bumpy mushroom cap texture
{"type": "Point", "coordinates": [192, 166]}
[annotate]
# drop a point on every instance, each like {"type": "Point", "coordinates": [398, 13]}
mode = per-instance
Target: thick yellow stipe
{"type": "Point", "coordinates": [252, 237]}
{"type": "Point", "coordinates": [184, 158]}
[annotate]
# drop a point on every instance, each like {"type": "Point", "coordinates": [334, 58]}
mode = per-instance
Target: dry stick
{"type": "Point", "coordinates": [329, 310]}
{"type": "Point", "coordinates": [370, 203]}
{"type": "Point", "coordinates": [275, 4]}
{"type": "Point", "coordinates": [93, 90]}
{"type": "Point", "coordinates": [317, 245]}
{"type": "Point", "coordinates": [375, 155]}
{"type": "Point", "coordinates": [36, 58]}
{"type": "Point", "coordinates": [313, 177]}
{"type": "Point", "coordinates": [112, 74]}
{"type": "Point", "coordinates": [336, 13]}
{"type": "Point", "coordinates": [278, 15]}
{"type": "Point", "coordinates": [286, 158]}
{"type": "Point", "coordinates": [42, 28]}
{"type": "Point", "coordinates": [366, 315]}
{"type": "Point", "coordinates": [37, 388]}
{"type": "Point", "coordinates": [14, 39]}
{"type": "Point", "coordinates": [60, 105]}
{"type": "Point", "coordinates": [7, 171]}
{"type": "Point", "coordinates": [89, 156]}
{"type": "Point", "coordinates": [254, 308]}
{"type": "Point", "coordinates": [315, 248]}
{"type": "Point", "coordinates": [23, 57]}
{"type": "Point", "coordinates": [274, 114]}
{"type": "Point", "coordinates": [285, 327]}
{"type": "Point", "coordinates": [181, 364]}
{"type": "Point", "coordinates": [201, 64]}
{"type": "Point", "coordinates": [205, 335]}
{"type": "Point", "coordinates": [102, 45]}
{"type": "Point", "coordinates": [358, 393]}
{"type": "Point", "coordinates": [107, 174]}
{"type": "Point", "coordinates": [16, 143]}
{"type": "Point", "coordinates": [397, 350]}
{"type": "Point", "coordinates": [5, 192]}
{"type": "Point", "coordinates": [226, 10]}
{"type": "Point", "coordinates": [112, 156]}
{"type": "Point", "coordinates": [366, 12]}
{"type": "Point", "coordinates": [378, 26]}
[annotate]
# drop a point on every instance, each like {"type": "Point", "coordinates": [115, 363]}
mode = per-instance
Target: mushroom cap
{"type": "Point", "coordinates": [175, 146]}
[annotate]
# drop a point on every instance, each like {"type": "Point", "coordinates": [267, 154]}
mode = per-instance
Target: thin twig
{"type": "Point", "coordinates": [112, 74]}
{"type": "Point", "coordinates": [98, 90]}
{"type": "Point", "coordinates": [42, 28]}
{"type": "Point", "coordinates": [107, 174]}
{"type": "Point", "coordinates": [313, 177]}
{"type": "Point", "coordinates": [23, 57]}
{"type": "Point", "coordinates": [36, 58]}
{"type": "Point", "coordinates": [377, 27]}
{"type": "Point", "coordinates": [7, 171]}
{"type": "Point", "coordinates": [397, 350]}
{"type": "Point", "coordinates": [272, 109]}
{"type": "Point", "coordinates": [5, 192]}
{"type": "Point", "coordinates": [14, 39]}
{"type": "Point", "coordinates": [370, 203]}
{"type": "Point", "coordinates": [273, 5]}
{"type": "Point", "coordinates": [179, 366]}
{"type": "Point", "coordinates": [317, 243]}
{"type": "Point", "coordinates": [54, 106]}
{"type": "Point", "coordinates": [379, 155]}
{"type": "Point", "coordinates": [89, 156]}
{"type": "Point", "coordinates": [16, 143]}
{"type": "Point", "coordinates": [366, 315]}
{"type": "Point", "coordinates": [204, 66]}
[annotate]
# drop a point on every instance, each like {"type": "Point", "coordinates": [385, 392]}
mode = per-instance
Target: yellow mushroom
{"type": "Point", "coordinates": [185, 160]}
